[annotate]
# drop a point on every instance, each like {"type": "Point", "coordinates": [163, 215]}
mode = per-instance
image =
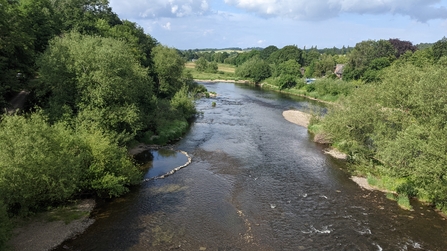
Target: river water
{"type": "Point", "coordinates": [257, 182]}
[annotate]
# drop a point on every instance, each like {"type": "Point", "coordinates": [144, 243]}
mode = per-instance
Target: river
{"type": "Point", "coordinates": [257, 182]}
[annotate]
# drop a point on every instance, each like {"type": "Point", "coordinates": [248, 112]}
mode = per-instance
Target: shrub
{"type": "Point", "coordinates": [40, 163]}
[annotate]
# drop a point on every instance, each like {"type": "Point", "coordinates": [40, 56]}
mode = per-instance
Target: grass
{"type": "Point", "coordinates": [224, 72]}
{"type": "Point", "coordinates": [65, 214]}
{"type": "Point", "coordinates": [404, 202]}
{"type": "Point", "coordinates": [385, 182]}
{"type": "Point", "coordinates": [390, 185]}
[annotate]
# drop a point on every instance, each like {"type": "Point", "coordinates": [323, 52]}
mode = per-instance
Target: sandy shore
{"type": "Point", "coordinates": [302, 119]}
{"type": "Point", "coordinates": [297, 117]}
{"type": "Point", "coordinates": [39, 233]}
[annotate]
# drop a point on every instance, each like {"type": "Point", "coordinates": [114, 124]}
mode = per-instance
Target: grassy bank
{"type": "Point", "coordinates": [224, 72]}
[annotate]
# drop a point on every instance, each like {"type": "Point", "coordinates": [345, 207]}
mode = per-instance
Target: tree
{"type": "Point", "coordinates": [266, 52]}
{"type": "Point", "coordinates": [286, 53]}
{"type": "Point", "coordinates": [255, 68]}
{"type": "Point", "coordinates": [168, 66]}
{"type": "Point", "coordinates": [402, 47]}
{"type": "Point", "coordinates": [440, 49]}
{"type": "Point", "coordinates": [201, 64]}
{"type": "Point", "coordinates": [365, 52]}
{"type": "Point", "coordinates": [16, 51]}
{"type": "Point", "coordinates": [289, 67]}
{"type": "Point", "coordinates": [40, 21]}
{"type": "Point", "coordinates": [81, 15]}
{"type": "Point", "coordinates": [99, 81]}
{"type": "Point", "coordinates": [310, 56]}
{"type": "Point", "coordinates": [42, 163]}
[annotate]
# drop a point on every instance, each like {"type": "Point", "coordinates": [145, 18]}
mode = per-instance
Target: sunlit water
{"type": "Point", "coordinates": [257, 182]}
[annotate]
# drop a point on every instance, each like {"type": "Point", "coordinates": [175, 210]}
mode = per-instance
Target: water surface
{"type": "Point", "coordinates": [257, 182]}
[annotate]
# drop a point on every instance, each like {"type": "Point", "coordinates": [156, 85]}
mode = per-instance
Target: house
{"type": "Point", "coordinates": [339, 70]}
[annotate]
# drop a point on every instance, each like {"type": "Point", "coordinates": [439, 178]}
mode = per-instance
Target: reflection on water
{"type": "Point", "coordinates": [257, 182]}
{"type": "Point", "coordinates": [159, 162]}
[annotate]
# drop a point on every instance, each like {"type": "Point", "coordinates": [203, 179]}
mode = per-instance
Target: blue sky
{"type": "Point", "coordinates": [191, 24]}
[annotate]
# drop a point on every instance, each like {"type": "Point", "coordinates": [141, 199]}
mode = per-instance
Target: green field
{"type": "Point", "coordinates": [225, 72]}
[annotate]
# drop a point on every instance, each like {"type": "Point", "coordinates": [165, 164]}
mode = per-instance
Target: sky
{"type": "Point", "coordinates": [199, 24]}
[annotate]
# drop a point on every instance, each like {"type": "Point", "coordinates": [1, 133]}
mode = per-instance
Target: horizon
{"type": "Point", "coordinates": [191, 24]}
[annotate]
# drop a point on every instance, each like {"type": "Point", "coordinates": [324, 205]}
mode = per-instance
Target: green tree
{"type": "Point", "coordinates": [41, 164]}
{"type": "Point", "coordinates": [267, 51]}
{"type": "Point", "coordinates": [97, 80]}
{"type": "Point", "coordinates": [289, 67]}
{"type": "Point", "coordinates": [41, 23]}
{"type": "Point", "coordinates": [440, 49]}
{"type": "Point", "coordinates": [16, 51]}
{"type": "Point", "coordinates": [168, 66]}
{"type": "Point", "coordinates": [255, 68]}
{"type": "Point", "coordinates": [310, 56]}
{"type": "Point", "coordinates": [286, 53]}
{"type": "Point", "coordinates": [365, 52]}
{"type": "Point", "coordinates": [201, 64]}
{"type": "Point", "coordinates": [81, 15]}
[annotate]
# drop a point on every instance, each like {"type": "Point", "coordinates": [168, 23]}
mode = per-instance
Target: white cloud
{"type": "Point", "coordinates": [167, 26]}
{"type": "Point", "coordinates": [421, 10]}
{"type": "Point", "coordinates": [151, 9]}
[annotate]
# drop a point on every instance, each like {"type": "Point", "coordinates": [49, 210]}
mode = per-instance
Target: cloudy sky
{"type": "Point", "coordinates": [191, 24]}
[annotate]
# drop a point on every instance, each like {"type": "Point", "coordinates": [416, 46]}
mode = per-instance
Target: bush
{"type": "Point", "coordinates": [171, 130]}
{"type": "Point", "coordinates": [40, 163]}
{"type": "Point", "coordinates": [110, 170]}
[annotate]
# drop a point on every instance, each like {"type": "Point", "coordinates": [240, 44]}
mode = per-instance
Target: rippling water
{"type": "Point", "coordinates": [257, 182]}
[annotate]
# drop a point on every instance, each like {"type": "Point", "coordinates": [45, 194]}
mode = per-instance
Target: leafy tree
{"type": "Point", "coordinates": [396, 128]}
{"type": "Point", "coordinates": [362, 55]}
{"type": "Point", "coordinates": [201, 64]}
{"type": "Point", "coordinates": [241, 58]}
{"type": "Point", "coordinates": [289, 67]}
{"type": "Point", "coordinates": [286, 53]}
{"type": "Point", "coordinates": [220, 57]}
{"type": "Point", "coordinates": [440, 49]}
{"type": "Point", "coordinates": [265, 53]}
{"type": "Point", "coordinates": [324, 66]}
{"type": "Point", "coordinates": [16, 51]}
{"type": "Point", "coordinates": [42, 163]}
{"type": "Point", "coordinates": [212, 67]}
{"type": "Point", "coordinates": [310, 56]}
{"type": "Point", "coordinates": [255, 68]}
{"type": "Point", "coordinates": [141, 43]}
{"type": "Point", "coordinates": [41, 22]}
{"type": "Point", "coordinates": [168, 65]}
{"type": "Point", "coordinates": [401, 47]}
{"type": "Point", "coordinates": [81, 15]}
{"type": "Point", "coordinates": [97, 79]}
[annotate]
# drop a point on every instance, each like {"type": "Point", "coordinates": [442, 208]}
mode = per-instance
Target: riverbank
{"type": "Point", "coordinates": [222, 80]}
{"type": "Point", "coordinates": [303, 119]}
{"type": "Point", "coordinates": [47, 230]}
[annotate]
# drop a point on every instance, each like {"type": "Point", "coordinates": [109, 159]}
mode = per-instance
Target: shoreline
{"type": "Point", "coordinates": [268, 87]}
{"type": "Point", "coordinates": [303, 119]}
{"type": "Point", "coordinates": [45, 232]}
{"type": "Point", "coordinates": [222, 80]}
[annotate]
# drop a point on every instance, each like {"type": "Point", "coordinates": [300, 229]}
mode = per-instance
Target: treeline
{"type": "Point", "coordinates": [97, 84]}
{"type": "Point", "coordinates": [393, 126]}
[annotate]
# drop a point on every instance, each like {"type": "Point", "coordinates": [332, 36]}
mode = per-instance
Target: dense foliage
{"type": "Point", "coordinates": [97, 85]}
{"type": "Point", "coordinates": [396, 127]}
